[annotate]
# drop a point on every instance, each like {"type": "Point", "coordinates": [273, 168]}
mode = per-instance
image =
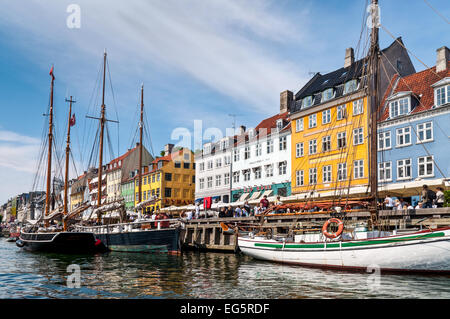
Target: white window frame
{"type": "Point", "coordinates": [312, 173]}
{"type": "Point", "coordinates": [424, 130]}
{"type": "Point", "coordinates": [236, 155]}
{"type": "Point", "coordinates": [269, 170]}
{"type": "Point", "coordinates": [236, 177]}
{"type": "Point", "coordinates": [327, 95]}
{"type": "Point", "coordinates": [350, 86]}
{"type": "Point", "coordinates": [246, 152]}
{"type": "Point", "coordinates": [342, 136]}
{"type": "Point", "coordinates": [299, 125]}
{"type": "Point", "coordinates": [327, 173]}
{"type": "Point", "coordinates": [397, 107]}
{"type": "Point", "coordinates": [342, 172]}
{"type": "Point", "coordinates": [312, 121]}
{"type": "Point", "coordinates": [341, 112]}
{"type": "Point", "coordinates": [269, 146]}
{"type": "Point", "coordinates": [258, 150]}
{"type": "Point", "coordinates": [400, 132]}
{"type": "Point", "coordinates": [218, 180]}
{"type": "Point", "coordinates": [246, 174]}
{"type": "Point", "coordinates": [282, 168]}
{"type": "Point", "coordinates": [307, 101]}
{"type": "Point", "coordinates": [358, 136]}
{"type": "Point", "coordinates": [299, 150]}
{"type": "Point", "coordinates": [326, 141]}
{"type": "Point", "coordinates": [382, 138]}
{"type": "Point", "coordinates": [209, 182]}
{"type": "Point", "coordinates": [383, 168]}
{"type": "Point", "coordinates": [402, 165]}
{"type": "Point", "coordinates": [358, 107]}
{"type": "Point", "coordinates": [425, 163]}
{"type": "Point", "coordinates": [358, 169]}
{"type": "Point", "coordinates": [283, 143]}
{"type": "Point", "coordinates": [326, 116]}
{"type": "Point", "coordinates": [300, 178]}
{"type": "Point", "coordinates": [257, 171]}
{"type": "Point", "coordinates": [312, 147]}
{"type": "Point", "coordinates": [446, 95]}
{"type": "Point", "coordinates": [226, 179]}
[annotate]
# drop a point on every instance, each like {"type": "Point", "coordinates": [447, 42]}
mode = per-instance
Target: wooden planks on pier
{"type": "Point", "coordinates": [206, 234]}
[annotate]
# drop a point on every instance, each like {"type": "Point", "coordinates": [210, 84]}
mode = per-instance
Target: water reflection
{"type": "Point", "coordinates": [194, 275]}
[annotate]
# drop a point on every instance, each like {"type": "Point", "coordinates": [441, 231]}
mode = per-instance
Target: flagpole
{"type": "Point", "coordinates": [66, 177]}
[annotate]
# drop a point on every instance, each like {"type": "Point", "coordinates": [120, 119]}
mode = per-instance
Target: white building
{"type": "Point", "coordinates": [212, 171]}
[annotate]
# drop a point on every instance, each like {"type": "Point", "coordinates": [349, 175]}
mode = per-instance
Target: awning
{"type": "Point", "coordinates": [95, 179]}
{"type": "Point", "coordinates": [95, 190]}
{"type": "Point", "coordinates": [255, 195]}
{"type": "Point", "coordinates": [243, 197]}
{"type": "Point", "coordinates": [268, 193]}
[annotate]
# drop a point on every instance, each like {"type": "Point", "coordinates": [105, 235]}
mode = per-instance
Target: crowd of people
{"type": "Point", "coordinates": [429, 199]}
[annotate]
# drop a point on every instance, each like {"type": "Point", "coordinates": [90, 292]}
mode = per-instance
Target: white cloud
{"type": "Point", "coordinates": [230, 46]}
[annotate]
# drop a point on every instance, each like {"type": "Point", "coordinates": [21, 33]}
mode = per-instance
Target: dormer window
{"type": "Point", "coordinates": [327, 95]}
{"type": "Point", "coordinates": [251, 133]}
{"type": "Point", "coordinates": [442, 92]}
{"type": "Point", "coordinates": [279, 124]}
{"type": "Point", "coordinates": [207, 149]}
{"type": "Point", "coordinates": [350, 86]}
{"type": "Point", "coordinates": [399, 107]}
{"type": "Point", "coordinates": [307, 101]}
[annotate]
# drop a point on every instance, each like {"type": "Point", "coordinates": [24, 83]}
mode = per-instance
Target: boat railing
{"type": "Point", "coordinates": [140, 225]}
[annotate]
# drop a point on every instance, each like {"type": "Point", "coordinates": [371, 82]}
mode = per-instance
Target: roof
{"type": "Point", "coordinates": [120, 159]}
{"type": "Point", "coordinates": [420, 86]}
{"type": "Point", "coordinates": [336, 80]}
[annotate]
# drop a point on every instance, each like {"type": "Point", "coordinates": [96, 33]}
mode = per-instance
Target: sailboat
{"type": "Point", "coordinates": [423, 251]}
{"type": "Point", "coordinates": [48, 238]}
{"type": "Point", "coordinates": [142, 236]}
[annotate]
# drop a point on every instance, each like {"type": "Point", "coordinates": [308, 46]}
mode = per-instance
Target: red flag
{"type": "Point", "coordinates": [51, 73]}
{"type": "Point", "coordinates": [207, 203]}
{"type": "Point", "coordinates": [72, 120]}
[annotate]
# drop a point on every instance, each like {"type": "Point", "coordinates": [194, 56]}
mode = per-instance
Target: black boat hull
{"type": "Point", "coordinates": [146, 241]}
{"type": "Point", "coordinates": [62, 242]}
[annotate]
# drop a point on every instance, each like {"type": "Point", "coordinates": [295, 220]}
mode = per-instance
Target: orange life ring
{"type": "Point", "coordinates": [336, 234]}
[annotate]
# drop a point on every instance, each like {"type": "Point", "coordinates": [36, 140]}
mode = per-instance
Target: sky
{"type": "Point", "coordinates": [199, 60]}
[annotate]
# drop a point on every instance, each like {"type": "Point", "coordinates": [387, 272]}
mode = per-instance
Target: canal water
{"type": "Point", "coordinates": [194, 275]}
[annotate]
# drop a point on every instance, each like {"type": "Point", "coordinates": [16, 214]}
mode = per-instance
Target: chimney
{"type": "Point", "coordinates": [286, 98]}
{"type": "Point", "coordinates": [443, 56]}
{"type": "Point", "coordinates": [242, 129]}
{"type": "Point", "coordinates": [168, 149]}
{"type": "Point", "coordinates": [349, 57]}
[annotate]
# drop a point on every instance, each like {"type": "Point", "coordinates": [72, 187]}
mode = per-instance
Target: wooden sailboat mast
{"type": "Point", "coordinates": [50, 142]}
{"type": "Point", "coordinates": [141, 124]}
{"type": "Point", "coordinates": [373, 106]}
{"type": "Point", "coordinates": [66, 175]}
{"type": "Point", "coordinates": [102, 128]}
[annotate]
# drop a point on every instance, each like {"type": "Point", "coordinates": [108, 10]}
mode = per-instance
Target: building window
{"type": "Point", "coordinates": [342, 139]}
{"type": "Point", "coordinates": [358, 136]}
{"type": "Point", "coordinates": [404, 136]}
{"type": "Point", "coordinates": [350, 86]}
{"type": "Point", "coordinates": [327, 95]}
{"type": "Point", "coordinates": [227, 160]}
{"type": "Point", "coordinates": [202, 167]}
{"type": "Point", "coordinates": [300, 178]}
{"type": "Point", "coordinates": [226, 179]}
{"type": "Point", "coordinates": [312, 147]}
{"type": "Point", "coordinates": [313, 176]}
{"type": "Point", "coordinates": [426, 166]}
{"type": "Point", "coordinates": [385, 172]}
{"type": "Point", "coordinates": [341, 112]}
{"type": "Point", "coordinates": [299, 125]}
{"type": "Point", "coordinates": [312, 121]}
{"type": "Point", "coordinates": [247, 152]}
{"type": "Point", "coordinates": [186, 165]}
{"type": "Point", "coordinates": [358, 171]}
{"type": "Point", "coordinates": [168, 176]}
{"type": "Point", "coordinates": [358, 107]}
{"type": "Point", "coordinates": [157, 177]}
{"type": "Point", "coordinates": [207, 149]}
{"type": "Point", "coordinates": [326, 144]}
{"type": "Point", "coordinates": [282, 166]}
{"type": "Point", "coordinates": [201, 183]}
{"type": "Point", "coordinates": [404, 169]}
{"type": "Point", "coordinates": [384, 140]}
{"type": "Point", "coordinates": [307, 101]}
{"type": "Point", "coordinates": [157, 192]}
{"type": "Point", "coordinates": [236, 155]}
{"type": "Point", "coordinates": [167, 192]}
{"type": "Point", "coordinates": [399, 107]}
{"type": "Point", "coordinates": [442, 95]}
{"type": "Point", "coordinates": [258, 150]}
{"type": "Point", "coordinates": [299, 150]}
{"type": "Point", "coordinates": [326, 117]}
{"type": "Point", "coordinates": [269, 170]}
{"type": "Point", "coordinates": [326, 174]}
{"type": "Point", "coordinates": [257, 172]}
{"type": "Point", "coordinates": [279, 124]}
{"type": "Point", "coordinates": [218, 162]}
{"type": "Point", "coordinates": [209, 181]}
{"type": "Point", "coordinates": [246, 173]}
{"type": "Point", "coordinates": [283, 143]}
{"type": "Point", "coordinates": [425, 132]}
{"type": "Point", "coordinates": [218, 180]}
{"type": "Point", "coordinates": [342, 172]}
{"type": "Point", "coordinates": [269, 146]}
{"type": "Point", "coordinates": [210, 165]}
{"type": "Point", "coordinates": [236, 177]}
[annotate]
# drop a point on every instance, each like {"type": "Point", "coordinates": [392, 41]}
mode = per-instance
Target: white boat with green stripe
{"type": "Point", "coordinates": [421, 251]}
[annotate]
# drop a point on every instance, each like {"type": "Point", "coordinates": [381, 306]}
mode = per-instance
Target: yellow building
{"type": "Point", "coordinates": [170, 178]}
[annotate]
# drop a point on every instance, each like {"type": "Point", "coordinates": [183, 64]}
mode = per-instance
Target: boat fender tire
{"type": "Point", "coordinates": [20, 243]}
{"type": "Point", "coordinates": [336, 234]}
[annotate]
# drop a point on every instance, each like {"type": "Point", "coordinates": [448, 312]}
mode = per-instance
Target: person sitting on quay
{"type": "Point", "coordinates": [264, 202]}
{"type": "Point", "coordinates": [222, 212]}
{"type": "Point", "coordinates": [247, 207]}
{"type": "Point", "coordinates": [440, 198]}
{"type": "Point", "coordinates": [229, 212]}
{"type": "Point", "coordinates": [419, 205]}
{"type": "Point", "coordinates": [427, 197]}
{"type": "Point", "coordinates": [388, 203]}
{"type": "Point", "coordinates": [238, 212]}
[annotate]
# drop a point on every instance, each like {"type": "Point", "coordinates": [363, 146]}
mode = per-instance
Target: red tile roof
{"type": "Point", "coordinates": [420, 84]}
{"type": "Point", "coordinates": [120, 158]}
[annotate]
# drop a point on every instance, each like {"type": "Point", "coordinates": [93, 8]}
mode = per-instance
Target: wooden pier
{"type": "Point", "coordinates": [206, 234]}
